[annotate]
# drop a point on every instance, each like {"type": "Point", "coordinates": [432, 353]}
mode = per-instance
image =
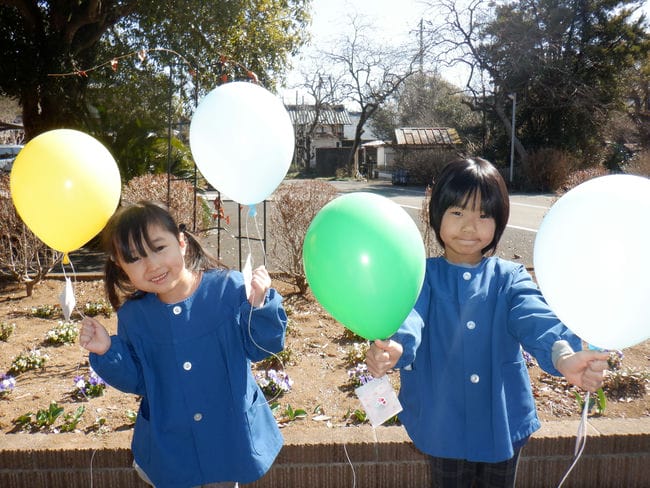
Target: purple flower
{"type": "Point", "coordinates": [94, 379]}
{"type": "Point", "coordinates": [359, 375]}
{"type": "Point", "coordinates": [7, 383]}
{"type": "Point", "coordinates": [528, 358]}
{"type": "Point", "coordinates": [93, 386]}
{"type": "Point", "coordinates": [272, 382]}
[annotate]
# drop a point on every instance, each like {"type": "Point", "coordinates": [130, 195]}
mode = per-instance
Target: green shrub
{"type": "Point", "coordinates": [27, 361]}
{"type": "Point", "coordinates": [6, 329]}
{"type": "Point", "coordinates": [62, 333]}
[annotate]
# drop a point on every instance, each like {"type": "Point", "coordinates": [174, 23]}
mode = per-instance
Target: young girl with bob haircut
{"type": "Point", "coordinates": [465, 389]}
{"type": "Point", "coordinates": [186, 335]}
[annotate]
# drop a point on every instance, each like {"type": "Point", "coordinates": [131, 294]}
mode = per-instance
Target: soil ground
{"type": "Point", "coordinates": [317, 362]}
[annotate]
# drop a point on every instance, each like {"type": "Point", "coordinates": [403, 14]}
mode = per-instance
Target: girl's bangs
{"type": "Point", "coordinates": [132, 239]}
{"type": "Point", "coordinates": [466, 197]}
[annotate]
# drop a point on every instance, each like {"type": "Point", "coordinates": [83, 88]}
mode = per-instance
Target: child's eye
{"type": "Point", "coordinates": [159, 248]}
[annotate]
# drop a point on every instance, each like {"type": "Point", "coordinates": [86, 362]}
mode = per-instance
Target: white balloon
{"type": "Point", "coordinates": [242, 141]}
{"type": "Point", "coordinates": [591, 260]}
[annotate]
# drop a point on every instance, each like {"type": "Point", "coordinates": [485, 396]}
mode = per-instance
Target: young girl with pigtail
{"type": "Point", "coordinates": [187, 332]}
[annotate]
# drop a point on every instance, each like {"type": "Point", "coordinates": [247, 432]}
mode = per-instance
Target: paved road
{"type": "Point", "coordinates": [526, 214]}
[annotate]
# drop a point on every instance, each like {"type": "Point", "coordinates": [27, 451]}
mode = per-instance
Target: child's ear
{"type": "Point", "coordinates": [182, 242]}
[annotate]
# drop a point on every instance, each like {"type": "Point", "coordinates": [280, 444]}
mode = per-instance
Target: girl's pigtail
{"type": "Point", "coordinates": [111, 283]}
{"type": "Point", "coordinates": [197, 258]}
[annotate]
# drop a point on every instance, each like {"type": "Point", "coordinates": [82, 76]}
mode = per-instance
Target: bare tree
{"type": "Point", "coordinates": [24, 258]}
{"type": "Point", "coordinates": [323, 90]}
{"type": "Point", "coordinates": [295, 206]}
{"type": "Point", "coordinates": [557, 56]}
{"type": "Point", "coordinates": [456, 39]}
{"type": "Point", "coordinates": [370, 75]}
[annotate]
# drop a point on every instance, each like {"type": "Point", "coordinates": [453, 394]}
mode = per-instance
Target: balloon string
{"type": "Point", "coordinates": [74, 281]}
{"type": "Point", "coordinates": [347, 456]}
{"type": "Point", "coordinates": [83, 352]}
{"type": "Point", "coordinates": [74, 278]}
{"type": "Point", "coordinates": [271, 353]}
{"type": "Point", "coordinates": [248, 240]}
{"type": "Point", "coordinates": [258, 237]}
{"type": "Point", "coordinates": [581, 439]}
{"type": "Point", "coordinates": [250, 313]}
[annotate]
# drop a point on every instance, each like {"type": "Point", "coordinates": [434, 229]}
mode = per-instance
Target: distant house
{"type": "Point", "coordinates": [427, 138]}
{"type": "Point", "coordinates": [317, 128]}
{"type": "Point", "coordinates": [379, 157]}
{"type": "Point", "coordinates": [422, 151]}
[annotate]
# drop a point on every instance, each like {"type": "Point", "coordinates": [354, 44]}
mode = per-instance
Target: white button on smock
{"type": "Point", "coordinates": [187, 365]}
{"type": "Point", "coordinates": [471, 325]}
{"type": "Point", "coordinates": [467, 275]}
{"type": "Point", "coordinates": [177, 310]}
{"type": "Point", "coordinates": [474, 378]}
{"type": "Point", "coordinates": [198, 417]}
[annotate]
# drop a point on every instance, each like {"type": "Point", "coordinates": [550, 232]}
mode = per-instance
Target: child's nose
{"type": "Point", "coordinates": [151, 261]}
{"type": "Point", "coordinates": [469, 224]}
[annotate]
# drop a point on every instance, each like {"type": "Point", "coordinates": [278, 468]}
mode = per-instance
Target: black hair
{"type": "Point", "coordinates": [127, 231]}
{"type": "Point", "coordinates": [459, 184]}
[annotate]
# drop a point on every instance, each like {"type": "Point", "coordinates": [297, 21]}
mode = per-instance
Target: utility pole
{"type": "Point", "coordinates": [513, 97]}
{"type": "Point", "coordinates": [421, 45]}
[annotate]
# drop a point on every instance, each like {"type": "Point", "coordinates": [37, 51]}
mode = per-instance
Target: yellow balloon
{"type": "Point", "coordinates": [65, 185]}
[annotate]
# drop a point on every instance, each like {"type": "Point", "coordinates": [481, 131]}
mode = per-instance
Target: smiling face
{"type": "Point", "coordinates": [470, 196]}
{"type": "Point", "coordinates": [466, 231]}
{"type": "Point", "coordinates": [157, 265]}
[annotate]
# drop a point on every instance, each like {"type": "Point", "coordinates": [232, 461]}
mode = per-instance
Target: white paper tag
{"type": "Point", "coordinates": [379, 400]}
{"type": "Point", "coordinates": [247, 271]}
{"type": "Point", "coordinates": [67, 299]}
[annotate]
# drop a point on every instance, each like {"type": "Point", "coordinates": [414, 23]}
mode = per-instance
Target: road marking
{"type": "Point", "coordinates": [518, 227]}
{"type": "Point", "coordinates": [528, 205]}
{"type": "Point", "coordinates": [521, 228]}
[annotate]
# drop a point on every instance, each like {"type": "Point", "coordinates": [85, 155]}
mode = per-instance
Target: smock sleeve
{"type": "Point", "coordinates": [119, 367]}
{"type": "Point", "coordinates": [409, 335]}
{"type": "Point", "coordinates": [533, 322]}
{"type": "Point", "coordinates": [263, 327]}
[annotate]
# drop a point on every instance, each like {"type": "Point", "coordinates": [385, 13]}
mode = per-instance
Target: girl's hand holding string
{"type": "Point", "coordinates": [585, 369]}
{"type": "Point", "coordinates": [93, 336]}
{"type": "Point", "coordinates": [260, 284]}
{"type": "Point", "coordinates": [383, 356]}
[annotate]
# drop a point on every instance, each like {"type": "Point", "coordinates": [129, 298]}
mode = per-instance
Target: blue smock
{"type": "Point", "coordinates": [202, 416]}
{"type": "Point", "coordinates": [465, 388]}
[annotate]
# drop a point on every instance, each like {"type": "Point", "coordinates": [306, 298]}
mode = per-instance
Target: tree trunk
{"type": "Point", "coordinates": [353, 160]}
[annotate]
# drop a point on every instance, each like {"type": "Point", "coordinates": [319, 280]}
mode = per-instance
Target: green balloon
{"type": "Point", "coordinates": [364, 260]}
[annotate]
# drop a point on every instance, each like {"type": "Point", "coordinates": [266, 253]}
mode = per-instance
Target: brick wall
{"type": "Point", "coordinates": [617, 454]}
